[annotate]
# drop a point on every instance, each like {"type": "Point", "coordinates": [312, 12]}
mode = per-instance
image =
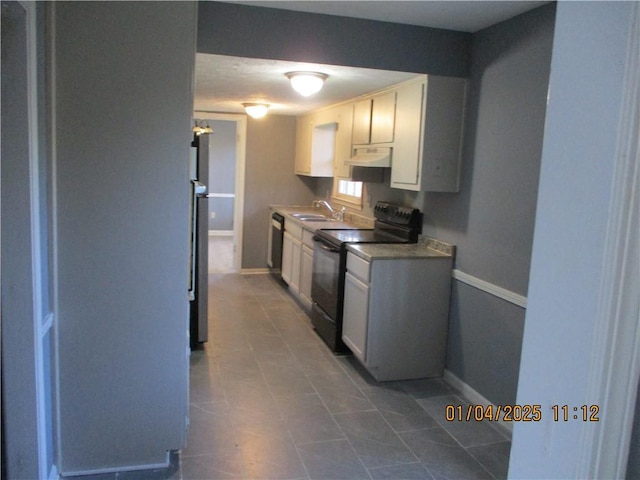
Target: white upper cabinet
{"type": "Point", "coordinates": [374, 119]}
{"type": "Point", "coordinates": [429, 127]}
{"type": "Point", "coordinates": [343, 141]}
{"type": "Point", "coordinates": [315, 144]}
{"type": "Point", "coordinates": [362, 122]}
{"type": "Point", "coordinates": [303, 145]}
{"type": "Point", "coordinates": [383, 115]}
{"type": "Point", "coordinates": [421, 121]}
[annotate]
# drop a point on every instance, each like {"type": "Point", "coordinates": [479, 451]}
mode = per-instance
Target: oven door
{"type": "Point", "coordinates": [325, 284]}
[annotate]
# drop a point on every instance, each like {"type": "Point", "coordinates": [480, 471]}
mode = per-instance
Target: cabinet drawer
{"type": "Point", "coordinates": [293, 228]}
{"type": "Point", "coordinates": [358, 267]}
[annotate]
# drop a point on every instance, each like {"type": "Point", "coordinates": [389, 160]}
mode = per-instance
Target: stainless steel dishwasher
{"type": "Point", "coordinates": [277, 233]}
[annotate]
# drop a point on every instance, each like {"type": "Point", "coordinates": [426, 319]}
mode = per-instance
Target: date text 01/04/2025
{"type": "Point", "coordinates": [520, 413]}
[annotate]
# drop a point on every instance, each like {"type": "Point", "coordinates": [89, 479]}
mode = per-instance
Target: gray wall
{"type": "Point", "coordinates": [222, 171]}
{"type": "Point", "coordinates": [123, 92]}
{"type": "Point", "coordinates": [246, 31]}
{"type": "Point", "coordinates": [492, 219]}
{"type": "Point", "coordinates": [269, 180]}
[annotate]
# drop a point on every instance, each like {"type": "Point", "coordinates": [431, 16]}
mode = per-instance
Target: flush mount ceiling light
{"type": "Point", "coordinates": [306, 83]}
{"type": "Point", "coordinates": [202, 129]}
{"type": "Point", "coordinates": [256, 110]}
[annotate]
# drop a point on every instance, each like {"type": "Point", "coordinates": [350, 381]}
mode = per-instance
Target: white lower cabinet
{"type": "Point", "coordinates": [291, 250]}
{"type": "Point", "coordinates": [356, 309]}
{"type": "Point", "coordinates": [287, 249]}
{"type": "Point", "coordinates": [296, 249]}
{"type": "Point", "coordinates": [306, 267]}
{"type": "Point", "coordinates": [396, 315]}
{"type": "Point", "coordinates": [297, 261]}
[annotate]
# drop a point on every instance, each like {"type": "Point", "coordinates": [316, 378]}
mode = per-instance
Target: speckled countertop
{"type": "Point", "coordinates": [425, 248]}
{"type": "Point", "coordinates": [351, 220]}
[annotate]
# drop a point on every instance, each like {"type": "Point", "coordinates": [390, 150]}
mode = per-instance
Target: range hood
{"type": "Point", "coordinates": [370, 157]}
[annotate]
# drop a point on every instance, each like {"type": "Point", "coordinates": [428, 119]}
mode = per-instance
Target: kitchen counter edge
{"type": "Point", "coordinates": [425, 248]}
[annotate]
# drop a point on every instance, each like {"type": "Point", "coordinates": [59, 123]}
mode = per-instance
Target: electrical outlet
{"type": "Point", "coordinates": [212, 214]}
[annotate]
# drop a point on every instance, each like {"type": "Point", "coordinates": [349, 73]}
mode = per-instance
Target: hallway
{"type": "Point", "coordinates": [269, 401]}
{"type": "Point", "coordinates": [220, 258]}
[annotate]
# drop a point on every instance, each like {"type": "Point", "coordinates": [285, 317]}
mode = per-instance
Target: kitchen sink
{"type": "Point", "coordinates": [315, 217]}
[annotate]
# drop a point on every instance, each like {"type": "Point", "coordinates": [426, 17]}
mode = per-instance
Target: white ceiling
{"type": "Point", "coordinates": [223, 83]}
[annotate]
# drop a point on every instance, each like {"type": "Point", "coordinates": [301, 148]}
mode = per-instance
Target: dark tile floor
{"type": "Point", "coordinates": [269, 401]}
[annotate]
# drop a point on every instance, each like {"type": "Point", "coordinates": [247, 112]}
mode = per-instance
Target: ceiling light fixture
{"type": "Point", "coordinates": [306, 83]}
{"type": "Point", "coordinates": [202, 129]}
{"type": "Point", "coordinates": [256, 110]}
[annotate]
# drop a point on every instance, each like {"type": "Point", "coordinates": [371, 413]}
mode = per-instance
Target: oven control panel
{"type": "Point", "coordinates": [407, 216]}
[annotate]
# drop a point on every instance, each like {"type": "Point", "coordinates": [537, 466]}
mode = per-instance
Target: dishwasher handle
{"type": "Point", "coordinates": [324, 246]}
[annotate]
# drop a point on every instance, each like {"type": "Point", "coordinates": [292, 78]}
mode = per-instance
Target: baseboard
{"type": "Point", "coordinates": [220, 233]}
{"type": "Point", "coordinates": [254, 271]}
{"type": "Point", "coordinates": [117, 470]}
{"type": "Point", "coordinates": [476, 399]}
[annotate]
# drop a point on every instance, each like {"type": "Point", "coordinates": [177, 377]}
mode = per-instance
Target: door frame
{"type": "Point", "coordinates": [605, 449]}
{"type": "Point", "coordinates": [240, 162]}
{"type": "Point", "coordinates": [607, 336]}
{"type": "Point", "coordinates": [31, 353]}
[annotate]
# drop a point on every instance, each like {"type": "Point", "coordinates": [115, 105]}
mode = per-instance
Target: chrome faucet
{"type": "Point", "coordinates": [337, 215]}
{"type": "Point", "coordinates": [324, 203]}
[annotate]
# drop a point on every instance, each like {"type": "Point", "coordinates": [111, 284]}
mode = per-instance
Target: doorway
{"type": "Point", "coordinates": [225, 190]}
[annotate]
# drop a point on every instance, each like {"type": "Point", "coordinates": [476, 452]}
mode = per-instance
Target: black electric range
{"type": "Point", "coordinates": [393, 224]}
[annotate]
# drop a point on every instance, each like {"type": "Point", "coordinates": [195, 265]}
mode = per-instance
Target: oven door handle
{"type": "Point", "coordinates": [324, 246]}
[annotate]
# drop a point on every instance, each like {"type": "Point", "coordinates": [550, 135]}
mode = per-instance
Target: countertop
{"type": "Point", "coordinates": [351, 220]}
{"type": "Point", "coordinates": [425, 248]}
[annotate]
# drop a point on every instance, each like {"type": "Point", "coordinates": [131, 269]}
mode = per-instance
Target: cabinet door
{"type": "Point", "coordinates": [287, 257]}
{"type": "Point", "coordinates": [407, 152]}
{"type": "Point", "coordinates": [383, 115]}
{"type": "Point", "coordinates": [355, 316]}
{"type": "Point", "coordinates": [443, 130]}
{"type": "Point", "coordinates": [429, 128]}
{"type": "Point", "coordinates": [343, 142]}
{"type": "Point", "coordinates": [304, 127]}
{"type": "Point", "coordinates": [306, 267]}
{"type": "Point", "coordinates": [323, 142]}
{"type": "Point", "coordinates": [361, 134]}
{"type": "Point", "coordinates": [296, 253]}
